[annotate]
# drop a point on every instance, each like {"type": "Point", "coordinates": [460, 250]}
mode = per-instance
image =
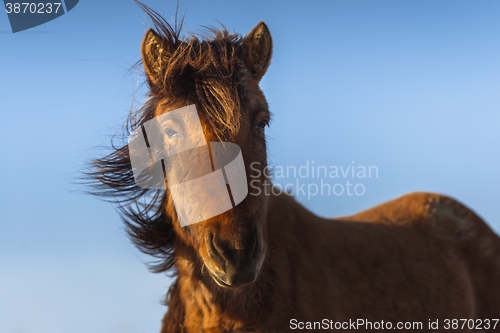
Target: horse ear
{"type": "Point", "coordinates": [154, 55]}
{"type": "Point", "coordinates": [258, 48]}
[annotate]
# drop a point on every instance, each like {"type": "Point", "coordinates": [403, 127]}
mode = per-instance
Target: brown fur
{"type": "Point", "coordinates": [419, 257]}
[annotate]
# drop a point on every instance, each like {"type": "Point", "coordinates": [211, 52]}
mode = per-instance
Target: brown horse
{"type": "Point", "coordinates": [418, 262]}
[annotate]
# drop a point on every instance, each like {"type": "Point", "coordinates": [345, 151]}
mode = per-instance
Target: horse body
{"type": "Point", "coordinates": [268, 263]}
{"type": "Point", "coordinates": [419, 258]}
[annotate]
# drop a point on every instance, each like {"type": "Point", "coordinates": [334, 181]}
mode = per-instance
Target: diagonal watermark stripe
{"type": "Point", "coordinates": [24, 15]}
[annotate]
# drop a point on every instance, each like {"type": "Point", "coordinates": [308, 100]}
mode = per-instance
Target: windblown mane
{"type": "Point", "coordinates": [206, 71]}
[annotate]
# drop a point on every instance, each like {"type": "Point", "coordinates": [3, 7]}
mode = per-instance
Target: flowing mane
{"type": "Point", "coordinates": [205, 68]}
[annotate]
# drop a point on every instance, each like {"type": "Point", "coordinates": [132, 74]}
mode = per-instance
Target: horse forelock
{"type": "Point", "coordinates": [207, 70]}
{"type": "Point", "coordinates": [210, 75]}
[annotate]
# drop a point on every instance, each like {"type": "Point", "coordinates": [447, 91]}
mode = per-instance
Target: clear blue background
{"type": "Point", "coordinates": [411, 87]}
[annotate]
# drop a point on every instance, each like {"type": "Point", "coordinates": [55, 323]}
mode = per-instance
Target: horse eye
{"type": "Point", "coordinates": [262, 125]}
{"type": "Point", "coordinates": [171, 133]}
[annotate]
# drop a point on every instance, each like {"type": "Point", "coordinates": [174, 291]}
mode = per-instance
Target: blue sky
{"type": "Point", "coordinates": [410, 87]}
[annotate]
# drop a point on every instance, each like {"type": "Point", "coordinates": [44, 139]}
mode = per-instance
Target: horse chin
{"type": "Point", "coordinates": [220, 282]}
{"type": "Point", "coordinates": [235, 284]}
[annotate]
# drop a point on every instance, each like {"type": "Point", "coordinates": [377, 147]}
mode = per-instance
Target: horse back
{"type": "Point", "coordinates": [469, 241]}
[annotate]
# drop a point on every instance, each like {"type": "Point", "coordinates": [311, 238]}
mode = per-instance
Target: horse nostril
{"type": "Point", "coordinates": [215, 252]}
